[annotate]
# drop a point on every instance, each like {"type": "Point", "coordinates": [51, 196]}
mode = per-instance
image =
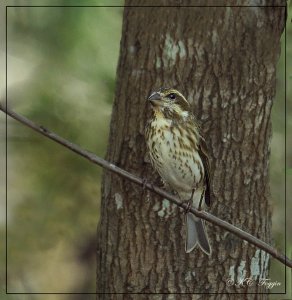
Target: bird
{"type": "Point", "coordinates": [178, 152]}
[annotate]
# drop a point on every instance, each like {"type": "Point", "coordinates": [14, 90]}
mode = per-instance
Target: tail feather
{"type": "Point", "coordinates": [196, 234]}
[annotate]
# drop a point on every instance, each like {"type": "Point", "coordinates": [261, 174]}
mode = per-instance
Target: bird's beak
{"type": "Point", "coordinates": [155, 98]}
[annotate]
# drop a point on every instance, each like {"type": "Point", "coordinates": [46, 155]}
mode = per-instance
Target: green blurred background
{"type": "Point", "coordinates": [61, 74]}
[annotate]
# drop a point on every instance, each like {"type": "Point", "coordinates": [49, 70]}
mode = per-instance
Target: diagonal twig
{"type": "Point", "coordinates": [113, 168]}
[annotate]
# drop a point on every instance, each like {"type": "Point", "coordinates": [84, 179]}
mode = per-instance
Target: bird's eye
{"type": "Point", "coordinates": [171, 96]}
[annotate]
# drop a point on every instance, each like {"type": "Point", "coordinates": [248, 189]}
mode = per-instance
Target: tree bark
{"type": "Point", "coordinates": [223, 59]}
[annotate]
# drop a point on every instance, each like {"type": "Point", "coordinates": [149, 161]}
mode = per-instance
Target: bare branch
{"type": "Point", "coordinates": [113, 168]}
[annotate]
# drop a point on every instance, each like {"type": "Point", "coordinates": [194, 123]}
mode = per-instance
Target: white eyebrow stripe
{"type": "Point", "coordinates": [182, 96]}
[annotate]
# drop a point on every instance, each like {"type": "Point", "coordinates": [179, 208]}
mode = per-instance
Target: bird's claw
{"type": "Point", "coordinates": [144, 183]}
{"type": "Point", "coordinates": [189, 202]}
{"type": "Point", "coordinates": [189, 205]}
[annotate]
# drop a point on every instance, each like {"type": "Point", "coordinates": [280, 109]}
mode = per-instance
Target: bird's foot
{"type": "Point", "coordinates": [189, 205]}
{"type": "Point", "coordinates": [189, 202]}
{"type": "Point", "coordinates": [144, 183]}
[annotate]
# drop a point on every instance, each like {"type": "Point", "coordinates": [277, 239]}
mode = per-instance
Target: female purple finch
{"type": "Point", "coordinates": [178, 153]}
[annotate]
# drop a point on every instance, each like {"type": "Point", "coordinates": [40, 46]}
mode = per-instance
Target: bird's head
{"type": "Point", "coordinates": [170, 102]}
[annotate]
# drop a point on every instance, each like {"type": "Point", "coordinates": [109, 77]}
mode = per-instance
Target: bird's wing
{"type": "Point", "coordinates": [205, 159]}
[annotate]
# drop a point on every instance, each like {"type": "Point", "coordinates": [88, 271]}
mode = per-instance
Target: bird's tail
{"type": "Point", "coordinates": [196, 234]}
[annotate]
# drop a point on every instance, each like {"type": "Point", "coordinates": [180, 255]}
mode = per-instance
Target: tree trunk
{"type": "Point", "coordinates": [223, 59]}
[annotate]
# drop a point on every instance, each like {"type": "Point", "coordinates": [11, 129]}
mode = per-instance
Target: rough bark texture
{"type": "Point", "coordinates": [223, 60]}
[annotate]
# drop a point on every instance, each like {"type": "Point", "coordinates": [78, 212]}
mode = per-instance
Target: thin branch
{"type": "Point", "coordinates": [113, 168]}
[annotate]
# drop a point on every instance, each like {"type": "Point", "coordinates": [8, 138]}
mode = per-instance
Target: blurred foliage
{"type": "Point", "coordinates": [61, 74]}
{"type": "Point", "coordinates": [277, 162]}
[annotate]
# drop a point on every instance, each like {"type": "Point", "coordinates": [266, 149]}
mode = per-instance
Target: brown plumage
{"type": "Point", "coordinates": [178, 153]}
